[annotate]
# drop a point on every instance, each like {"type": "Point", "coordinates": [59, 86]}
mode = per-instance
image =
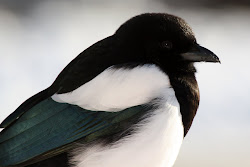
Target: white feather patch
{"type": "Point", "coordinates": [155, 143]}
{"type": "Point", "coordinates": [117, 89]}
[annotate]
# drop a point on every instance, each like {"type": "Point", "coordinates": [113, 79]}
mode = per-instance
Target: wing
{"type": "Point", "coordinates": [42, 131]}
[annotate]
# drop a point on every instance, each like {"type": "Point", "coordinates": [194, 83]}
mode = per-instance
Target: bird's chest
{"type": "Point", "coordinates": [155, 143]}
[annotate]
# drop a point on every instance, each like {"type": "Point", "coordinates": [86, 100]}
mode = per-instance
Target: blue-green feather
{"type": "Point", "coordinates": [50, 125]}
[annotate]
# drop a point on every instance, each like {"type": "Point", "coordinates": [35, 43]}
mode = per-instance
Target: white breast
{"type": "Point", "coordinates": [155, 143]}
{"type": "Point", "coordinates": [117, 89]}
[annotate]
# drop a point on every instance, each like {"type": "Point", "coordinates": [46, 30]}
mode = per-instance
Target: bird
{"type": "Point", "coordinates": [127, 100]}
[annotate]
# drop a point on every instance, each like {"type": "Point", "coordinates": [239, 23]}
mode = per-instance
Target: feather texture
{"type": "Point", "coordinates": [46, 129]}
{"type": "Point", "coordinates": [118, 89]}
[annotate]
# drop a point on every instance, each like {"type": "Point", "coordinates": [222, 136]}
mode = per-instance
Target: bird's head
{"type": "Point", "coordinates": [163, 39]}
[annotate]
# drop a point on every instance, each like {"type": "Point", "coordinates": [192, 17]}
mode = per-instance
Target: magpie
{"type": "Point", "coordinates": [126, 101]}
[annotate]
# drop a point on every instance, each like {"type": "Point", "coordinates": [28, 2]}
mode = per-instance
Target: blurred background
{"type": "Point", "coordinates": [39, 38]}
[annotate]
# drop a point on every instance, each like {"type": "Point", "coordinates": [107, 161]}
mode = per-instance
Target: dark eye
{"type": "Point", "coordinates": [167, 44]}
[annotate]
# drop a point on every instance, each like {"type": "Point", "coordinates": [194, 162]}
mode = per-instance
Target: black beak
{"type": "Point", "coordinates": [198, 54]}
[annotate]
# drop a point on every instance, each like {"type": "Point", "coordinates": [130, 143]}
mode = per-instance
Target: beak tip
{"type": "Point", "coordinates": [217, 60]}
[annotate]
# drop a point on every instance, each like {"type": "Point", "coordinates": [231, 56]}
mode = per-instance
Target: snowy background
{"type": "Point", "coordinates": [39, 38]}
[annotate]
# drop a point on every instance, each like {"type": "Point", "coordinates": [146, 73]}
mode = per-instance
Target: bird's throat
{"type": "Point", "coordinates": [187, 93]}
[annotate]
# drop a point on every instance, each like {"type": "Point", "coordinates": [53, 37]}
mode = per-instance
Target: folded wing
{"type": "Point", "coordinates": [49, 125]}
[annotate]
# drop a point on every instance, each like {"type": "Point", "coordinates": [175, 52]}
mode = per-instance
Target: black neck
{"type": "Point", "coordinates": [187, 93]}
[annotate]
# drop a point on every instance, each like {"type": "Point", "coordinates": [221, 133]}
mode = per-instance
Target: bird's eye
{"type": "Point", "coordinates": [167, 44]}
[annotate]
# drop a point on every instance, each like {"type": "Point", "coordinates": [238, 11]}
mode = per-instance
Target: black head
{"type": "Point", "coordinates": [163, 39]}
{"type": "Point", "coordinates": [168, 42]}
